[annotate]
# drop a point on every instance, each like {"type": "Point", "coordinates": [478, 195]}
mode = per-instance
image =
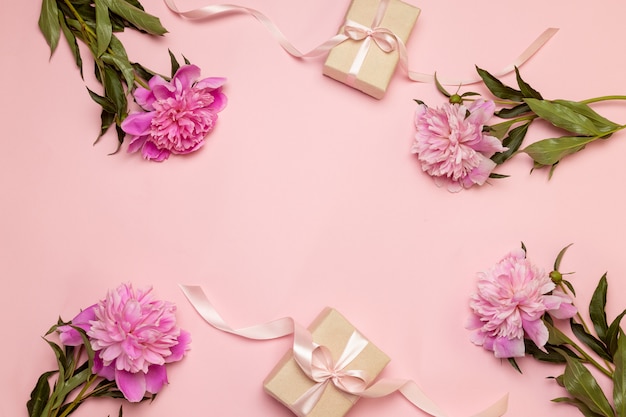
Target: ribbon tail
{"type": "Point", "coordinates": [528, 53]}
{"type": "Point", "coordinates": [416, 396]}
{"type": "Point", "coordinates": [303, 405]}
{"type": "Point", "coordinates": [216, 10]}
{"type": "Point", "coordinates": [270, 330]}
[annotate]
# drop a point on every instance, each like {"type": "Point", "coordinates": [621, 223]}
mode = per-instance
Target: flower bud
{"type": "Point", "coordinates": [456, 99]}
{"type": "Point", "coordinates": [556, 277]}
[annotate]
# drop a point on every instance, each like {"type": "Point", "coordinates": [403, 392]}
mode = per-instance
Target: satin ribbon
{"type": "Point", "coordinates": [317, 363]}
{"type": "Point", "coordinates": [385, 39]}
{"type": "Point", "coordinates": [216, 10]}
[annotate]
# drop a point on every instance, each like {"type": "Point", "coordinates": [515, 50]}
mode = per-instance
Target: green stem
{"type": "Point", "coordinates": [79, 398]}
{"type": "Point", "coordinates": [603, 98]}
{"type": "Point", "coordinates": [80, 19]}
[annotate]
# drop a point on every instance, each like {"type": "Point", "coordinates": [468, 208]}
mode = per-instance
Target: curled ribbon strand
{"type": "Point", "coordinates": [216, 10]}
{"type": "Point", "coordinates": [317, 363]}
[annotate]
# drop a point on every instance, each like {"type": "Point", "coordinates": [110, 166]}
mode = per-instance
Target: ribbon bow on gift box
{"type": "Point", "coordinates": [317, 363]}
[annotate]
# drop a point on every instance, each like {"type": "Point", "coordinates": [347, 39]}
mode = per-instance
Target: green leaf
{"type": "Point", "coordinates": [555, 336]}
{"type": "Point", "coordinates": [551, 355]}
{"type": "Point", "coordinates": [39, 395]}
{"type": "Point", "coordinates": [551, 151]}
{"type": "Point", "coordinates": [71, 384]}
{"type": "Point", "coordinates": [106, 120]}
{"type": "Point", "coordinates": [499, 130]}
{"type": "Point", "coordinates": [104, 102]}
{"type": "Point", "coordinates": [73, 44]}
{"type": "Point", "coordinates": [498, 176]}
{"type": "Point", "coordinates": [525, 88]}
{"type": "Point", "coordinates": [513, 142]}
{"type": "Point", "coordinates": [613, 332]}
{"type": "Point", "coordinates": [513, 112]}
{"type": "Point", "coordinates": [581, 384]}
{"type": "Point", "coordinates": [137, 17]}
{"type": "Point", "coordinates": [437, 84]}
{"type": "Point", "coordinates": [619, 376]}
{"type": "Point", "coordinates": [584, 410]}
{"type": "Point", "coordinates": [123, 65]}
{"type": "Point", "coordinates": [597, 308]}
{"type": "Point", "coordinates": [497, 88]}
{"type": "Point", "coordinates": [114, 90]}
{"type": "Point", "coordinates": [603, 124]}
{"type": "Point", "coordinates": [559, 257]}
{"type": "Point", "coordinates": [143, 72]}
{"type": "Point", "coordinates": [174, 63]}
{"type": "Point", "coordinates": [49, 23]}
{"type": "Point", "coordinates": [104, 30]}
{"type": "Point", "coordinates": [61, 359]}
{"type": "Point", "coordinates": [514, 364]}
{"type": "Point", "coordinates": [594, 344]}
{"type": "Point", "coordinates": [569, 286]}
{"type": "Point", "coordinates": [564, 116]}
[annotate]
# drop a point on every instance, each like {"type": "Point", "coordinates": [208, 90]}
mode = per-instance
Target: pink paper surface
{"type": "Point", "coordinates": [304, 196]}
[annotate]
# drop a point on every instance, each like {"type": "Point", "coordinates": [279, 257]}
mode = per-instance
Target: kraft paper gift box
{"type": "Point", "coordinates": [287, 382]}
{"type": "Point", "coordinates": [374, 74]}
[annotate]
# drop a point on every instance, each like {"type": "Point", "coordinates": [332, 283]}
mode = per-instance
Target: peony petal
{"type": "Point", "coordinates": [211, 82]}
{"type": "Point", "coordinates": [69, 336]}
{"type": "Point", "coordinates": [537, 332]}
{"type": "Point", "coordinates": [480, 174]}
{"type": "Point", "coordinates": [133, 386]}
{"type": "Point", "coordinates": [138, 124]}
{"type": "Point", "coordinates": [565, 311]}
{"type": "Point", "coordinates": [178, 351]}
{"type": "Point", "coordinates": [508, 348]}
{"type": "Point", "coordinates": [489, 145]}
{"type": "Point", "coordinates": [152, 153]}
{"type": "Point", "coordinates": [136, 143]}
{"type": "Point", "coordinates": [156, 378]}
{"type": "Point", "coordinates": [473, 322]}
{"type": "Point", "coordinates": [107, 372]}
{"type": "Point", "coordinates": [145, 98]}
{"type": "Point", "coordinates": [219, 102]}
{"type": "Point", "coordinates": [186, 75]}
{"type": "Point", "coordinates": [481, 111]}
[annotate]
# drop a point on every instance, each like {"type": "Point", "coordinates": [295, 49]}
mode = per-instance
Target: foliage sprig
{"type": "Point", "coordinates": [95, 24]}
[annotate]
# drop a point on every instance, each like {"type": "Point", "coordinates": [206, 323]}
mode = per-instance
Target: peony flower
{"type": "Point", "coordinates": [70, 336]}
{"type": "Point", "coordinates": [133, 337]}
{"type": "Point", "coordinates": [509, 304]}
{"type": "Point", "coordinates": [451, 146]}
{"type": "Point", "coordinates": [178, 114]}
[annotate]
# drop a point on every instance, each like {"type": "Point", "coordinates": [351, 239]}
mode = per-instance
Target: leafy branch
{"type": "Point", "coordinates": [524, 105]}
{"type": "Point", "coordinates": [94, 23]}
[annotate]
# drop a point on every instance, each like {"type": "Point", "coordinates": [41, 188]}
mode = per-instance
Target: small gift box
{"type": "Point", "coordinates": [368, 59]}
{"type": "Point", "coordinates": [347, 359]}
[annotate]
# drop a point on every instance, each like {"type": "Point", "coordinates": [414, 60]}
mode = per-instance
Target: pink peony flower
{"type": "Point", "coordinates": [451, 146]}
{"type": "Point", "coordinates": [510, 302]}
{"type": "Point", "coordinates": [134, 336]}
{"type": "Point", "coordinates": [178, 115]}
{"type": "Point", "coordinates": [70, 336]}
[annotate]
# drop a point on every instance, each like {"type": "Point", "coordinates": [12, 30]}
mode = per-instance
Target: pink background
{"type": "Point", "coordinates": [305, 196]}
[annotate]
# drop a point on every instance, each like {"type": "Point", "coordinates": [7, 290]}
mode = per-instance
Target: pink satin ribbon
{"type": "Point", "coordinates": [385, 39]}
{"type": "Point", "coordinates": [317, 363]}
{"type": "Point", "coordinates": [375, 32]}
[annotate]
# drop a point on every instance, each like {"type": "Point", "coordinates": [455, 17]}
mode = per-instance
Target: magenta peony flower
{"type": "Point", "coordinates": [70, 336]}
{"type": "Point", "coordinates": [178, 115]}
{"type": "Point", "coordinates": [134, 336]}
{"type": "Point", "coordinates": [511, 299]}
{"type": "Point", "coordinates": [451, 146]}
